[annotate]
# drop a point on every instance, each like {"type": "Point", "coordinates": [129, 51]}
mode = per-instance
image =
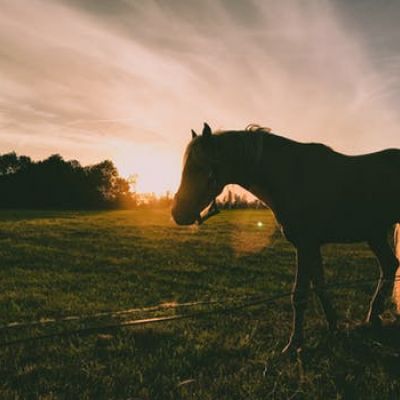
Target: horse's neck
{"type": "Point", "coordinates": [241, 153]}
{"type": "Point", "coordinates": [260, 166]}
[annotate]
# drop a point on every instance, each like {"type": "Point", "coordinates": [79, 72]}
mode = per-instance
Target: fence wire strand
{"type": "Point", "coordinates": [233, 305]}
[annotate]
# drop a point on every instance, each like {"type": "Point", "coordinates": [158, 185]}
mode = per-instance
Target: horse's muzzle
{"type": "Point", "coordinates": [182, 217]}
{"type": "Point", "coordinates": [183, 220]}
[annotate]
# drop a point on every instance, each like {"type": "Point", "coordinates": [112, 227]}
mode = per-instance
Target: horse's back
{"type": "Point", "coordinates": [345, 197]}
{"type": "Point", "coordinates": [389, 158]}
{"type": "Point", "coordinates": [378, 173]}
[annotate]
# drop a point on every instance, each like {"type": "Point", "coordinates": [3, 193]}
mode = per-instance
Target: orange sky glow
{"type": "Point", "coordinates": [127, 80]}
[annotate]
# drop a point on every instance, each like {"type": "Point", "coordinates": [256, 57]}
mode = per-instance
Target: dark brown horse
{"type": "Point", "coordinates": [317, 195]}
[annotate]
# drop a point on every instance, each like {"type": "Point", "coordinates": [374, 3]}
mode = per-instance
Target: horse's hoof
{"type": "Point", "coordinates": [293, 348]}
{"type": "Point", "coordinates": [373, 323]}
{"type": "Point", "coordinates": [333, 327]}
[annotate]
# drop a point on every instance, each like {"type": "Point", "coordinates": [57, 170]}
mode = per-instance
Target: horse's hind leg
{"type": "Point", "coordinates": [318, 281]}
{"type": "Point", "coordinates": [388, 265]}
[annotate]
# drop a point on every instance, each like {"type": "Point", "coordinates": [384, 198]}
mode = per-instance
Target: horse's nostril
{"type": "Point", "coordinates": [182, 218]}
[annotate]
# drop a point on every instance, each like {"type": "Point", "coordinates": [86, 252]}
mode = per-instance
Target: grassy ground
{"type": "Point", "coordinates": [58, 264]}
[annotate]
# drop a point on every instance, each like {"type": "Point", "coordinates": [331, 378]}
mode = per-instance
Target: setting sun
{"type": "Point", "coordinates": [157, 168]}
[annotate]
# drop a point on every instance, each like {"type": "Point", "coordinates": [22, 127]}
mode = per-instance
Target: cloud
{"type": "Point", "coordinates": [105, 78]}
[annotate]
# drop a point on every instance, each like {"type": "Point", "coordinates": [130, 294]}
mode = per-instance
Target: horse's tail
{"type": "Point", "coordinates": [397, 240]}
{"type": "Point", "coordinates": [396, 289]}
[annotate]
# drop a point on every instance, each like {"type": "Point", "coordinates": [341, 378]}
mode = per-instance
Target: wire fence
{"type": "Point", "coordinates": [228, 306]}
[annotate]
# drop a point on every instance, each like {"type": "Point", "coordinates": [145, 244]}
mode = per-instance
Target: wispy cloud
{"type": "Point", "coordinates": [94, 79]}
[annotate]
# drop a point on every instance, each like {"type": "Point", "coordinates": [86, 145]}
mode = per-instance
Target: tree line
{"type": "Point", "coordinates": [233, 200]}
{"type": "Point", "coordinates": [60, 184]}
{"type": "Point", "coordinates": [56, 183]}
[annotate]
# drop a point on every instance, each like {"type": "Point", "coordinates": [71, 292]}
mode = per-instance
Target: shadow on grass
{"type": "Point", "coordinates": [358, 360]}
{"type": "Point", "coordinates": [166, 363]}
{"type": "Point", "coordinates": [376, 346]}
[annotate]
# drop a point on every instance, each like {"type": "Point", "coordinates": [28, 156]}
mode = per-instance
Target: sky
{"type": "Point", "coordinates": [128, 79]}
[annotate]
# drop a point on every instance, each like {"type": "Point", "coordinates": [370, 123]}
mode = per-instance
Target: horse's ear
{"type": "Point", "coordinates": [206, 130]}
{"type": "Point", "coordinates": [194, 134]}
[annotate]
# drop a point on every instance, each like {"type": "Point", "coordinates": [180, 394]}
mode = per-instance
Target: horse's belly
{"type": "Point", "coordinates": [338, 227]}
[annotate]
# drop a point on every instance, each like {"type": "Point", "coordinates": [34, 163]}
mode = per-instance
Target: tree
{"type": "Point", "coordinates": [10, 163]}
{"type": "Point", "coordinates": [56, 183]}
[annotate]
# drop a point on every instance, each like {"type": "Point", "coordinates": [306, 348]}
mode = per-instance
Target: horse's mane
{"type": "Point", "coordinates": [248, 142]}
{"type": "Point", "coordinates": [251, 128]}
{"type": "Point", "coordinates": [257, 128]}
{"type": "Point", "coordinates": [251, 143]}
{"type": "Point", "coordinates": [254, 139]}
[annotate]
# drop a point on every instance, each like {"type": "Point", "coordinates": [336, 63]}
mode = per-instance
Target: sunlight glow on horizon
{"type": "Point", "coordinates": [157, 168]}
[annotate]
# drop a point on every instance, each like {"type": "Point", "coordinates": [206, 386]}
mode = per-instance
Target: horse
{"type": "Point", "coordinates": [317, 195]}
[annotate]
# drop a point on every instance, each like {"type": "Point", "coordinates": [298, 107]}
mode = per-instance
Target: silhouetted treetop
{"type": "Point", "coordinates": [10, 163]}
{"type": "Point", "coordinates": [56, 183]}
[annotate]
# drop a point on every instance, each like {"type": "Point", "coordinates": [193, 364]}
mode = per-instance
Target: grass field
{"type": "Point", "coordinates": [60, 264]}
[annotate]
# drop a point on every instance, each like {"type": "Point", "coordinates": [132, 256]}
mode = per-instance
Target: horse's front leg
{"type": "Point", "coordinates": [318, 281]}
{"type": "Point", "coordinates": [307, 257]}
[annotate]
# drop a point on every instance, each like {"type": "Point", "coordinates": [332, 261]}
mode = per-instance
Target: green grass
{"type": "Point", "coordinates": [58, 264]}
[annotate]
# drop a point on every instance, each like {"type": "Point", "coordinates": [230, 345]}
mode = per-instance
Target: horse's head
{"type": "Point", "coordinates": [199, 185]}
